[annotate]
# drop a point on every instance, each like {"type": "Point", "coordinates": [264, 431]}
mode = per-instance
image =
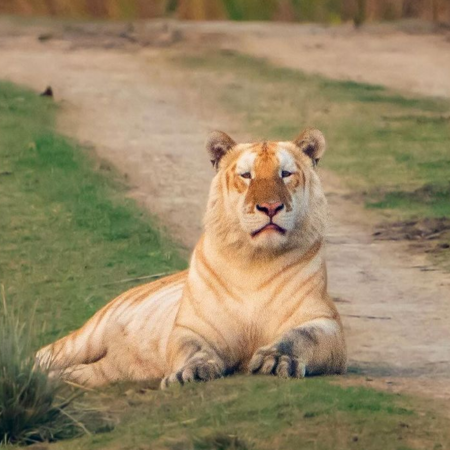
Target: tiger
{"type": "Point", "coordinates": [254, 299]}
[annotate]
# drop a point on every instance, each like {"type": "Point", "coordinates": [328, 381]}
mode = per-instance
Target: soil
{"type": "Point", "coordinates": [124, 99]}
{"type": "Point", "coordinates": [406, 57]}
{"type": "Point", "coordinates": [430, 229]}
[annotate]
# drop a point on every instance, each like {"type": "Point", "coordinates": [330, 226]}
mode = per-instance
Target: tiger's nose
{"type": "Point", "coordinates": [270, 208]}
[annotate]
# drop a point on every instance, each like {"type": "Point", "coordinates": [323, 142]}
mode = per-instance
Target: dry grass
{"type": "Point", "coordinates": [334, 11]}
{"type": "Point", "coordinates": [33, 407]}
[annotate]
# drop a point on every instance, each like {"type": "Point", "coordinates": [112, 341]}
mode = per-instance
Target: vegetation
{"type": "Point", "coordinates": [391, 150]}
{"type": "Point", "coordinates": [33, 407]}
{"type": "Point", "coordinates": [245, 413]}
{"type": "Point", "coordinates": [68, 234]}
{"type": "Point", "coordinates": [329, 11]}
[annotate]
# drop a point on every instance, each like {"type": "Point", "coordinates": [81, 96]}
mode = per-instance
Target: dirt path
{"type": "Point", "coordinates": [411, 63]}
{"type": "Point", "coordinates": [133, 107]}
{"type": "Point", "coordinates": [414, 60]}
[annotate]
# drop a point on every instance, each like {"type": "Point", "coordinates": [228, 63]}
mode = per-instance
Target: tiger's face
{"type": "Point", "coordinates": [265, 191]}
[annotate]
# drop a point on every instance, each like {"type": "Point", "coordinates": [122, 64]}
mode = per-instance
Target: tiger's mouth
{"type": "Point", "coordinates": [269, 227]}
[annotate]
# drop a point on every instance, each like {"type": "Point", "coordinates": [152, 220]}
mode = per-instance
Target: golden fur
{"type": "Point", "coordinates": [254, 298]}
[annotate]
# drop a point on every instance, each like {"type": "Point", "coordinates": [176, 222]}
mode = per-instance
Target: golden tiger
{"type": "Point", "coordinates": [254, 298]}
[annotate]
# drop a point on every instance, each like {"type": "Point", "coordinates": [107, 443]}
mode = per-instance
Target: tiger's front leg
{"type": "Point", "coordinates": [314, 348]}
{"type": "Point", "coordinates": [193, 361]}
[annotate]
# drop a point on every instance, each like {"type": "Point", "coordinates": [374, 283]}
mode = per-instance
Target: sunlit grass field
{"type": "Point", "coordinates": [251, 413]}
{"type": "Point", "coordinates": [70, 239]}
{"type": "Point", "coordinates": [68, 234]}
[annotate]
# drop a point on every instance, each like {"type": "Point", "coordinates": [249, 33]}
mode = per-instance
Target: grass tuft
{"type": "Point", "coordinates": [34, 407]}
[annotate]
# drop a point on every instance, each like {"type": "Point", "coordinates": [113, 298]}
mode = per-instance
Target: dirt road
{"type": "Point", "coordinates": [415, 61]}
{"type": "Point", "coordinates": [131, 105]}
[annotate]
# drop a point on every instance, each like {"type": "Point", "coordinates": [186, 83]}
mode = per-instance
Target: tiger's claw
{"type": "Point", "coordinates": [198, 371]}
{"type": "Point", "coordinates": [272, 361]}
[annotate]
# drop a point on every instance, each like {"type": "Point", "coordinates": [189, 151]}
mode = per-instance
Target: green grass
{"type": "Point", "coordinates": [265, 413]}
{"type": "Point", "coordinates": [67, 236]}
{"type": "Point", "coordinates": [386, 146]}
{"type": "Point", "coordinates": [67, 230]}
{"type": "Point", "coordinates": [420, 201]}
{"type": "Point", "coordinates": [33, 407]}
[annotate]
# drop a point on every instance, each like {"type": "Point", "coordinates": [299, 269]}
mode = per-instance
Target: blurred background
{"type": "Point", "coordinates": [328, 11]}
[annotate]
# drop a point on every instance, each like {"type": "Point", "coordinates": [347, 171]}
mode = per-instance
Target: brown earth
{"type": "Point", "coordinates": [425, 230]}
{"type": "Point", "coordinates": [413, 60]}
{"type": "Point", "coordinates": [128, 102]}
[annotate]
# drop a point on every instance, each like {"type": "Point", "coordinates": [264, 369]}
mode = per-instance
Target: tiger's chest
{"type": "Point", "coordinates": [238, 323]}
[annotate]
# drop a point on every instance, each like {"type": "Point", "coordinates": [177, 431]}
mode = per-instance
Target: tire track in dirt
{"type": "Point", "coordinates": [135, 110]}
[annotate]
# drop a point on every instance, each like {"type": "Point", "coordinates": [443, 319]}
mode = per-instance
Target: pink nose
{"type": "Point", "coordinates": [270, 209]}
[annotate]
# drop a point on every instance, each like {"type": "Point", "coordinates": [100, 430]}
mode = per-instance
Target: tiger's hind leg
{"type": "Point", "coordinates": [86, 345]}
{"type": "Point", "coordinates": [95, 374]}
{"type": "Point", "coordinates": [76, 348]}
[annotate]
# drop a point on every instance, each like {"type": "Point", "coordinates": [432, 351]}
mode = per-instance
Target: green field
{"type": "Point", "coordinates": [245, 413]}
{"type": "Point", "coordinates": [69, 236]}
{"type": "Point", "coordinates": [391, 150]}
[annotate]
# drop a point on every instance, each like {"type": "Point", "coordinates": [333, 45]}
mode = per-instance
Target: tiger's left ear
{"type": "Point", "coordinates": [312, 143]}
{"type": "Point", "coordinates": [218, 144]}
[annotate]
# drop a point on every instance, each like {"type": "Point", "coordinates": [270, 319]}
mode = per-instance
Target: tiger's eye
{"type": "Point", "coordinates": [246, 175]}
{"type": "Point", "coordinates": [285, 174]}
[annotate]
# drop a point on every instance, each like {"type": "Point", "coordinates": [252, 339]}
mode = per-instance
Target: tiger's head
{"type": "Point", "coordinates": [266, 196]}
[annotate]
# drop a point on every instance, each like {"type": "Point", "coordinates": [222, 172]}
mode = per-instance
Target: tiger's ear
{"type": "Point", "coordinates": [218, 144]}
{"type": "Point", "coordinates": [312, 143]}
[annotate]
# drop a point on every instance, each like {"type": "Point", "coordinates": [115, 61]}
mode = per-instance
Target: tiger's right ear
{"type": "Point", "coordinates": [218, 144]}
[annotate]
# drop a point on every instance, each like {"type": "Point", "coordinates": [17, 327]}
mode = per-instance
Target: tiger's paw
{"type": "Point", "coordinates": [195, 371]}
{"type": "Point", "coordinates": [272, 361]}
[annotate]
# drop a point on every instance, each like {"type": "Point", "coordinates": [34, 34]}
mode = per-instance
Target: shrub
{"type": "Point", "coordinates": [33, 407]}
